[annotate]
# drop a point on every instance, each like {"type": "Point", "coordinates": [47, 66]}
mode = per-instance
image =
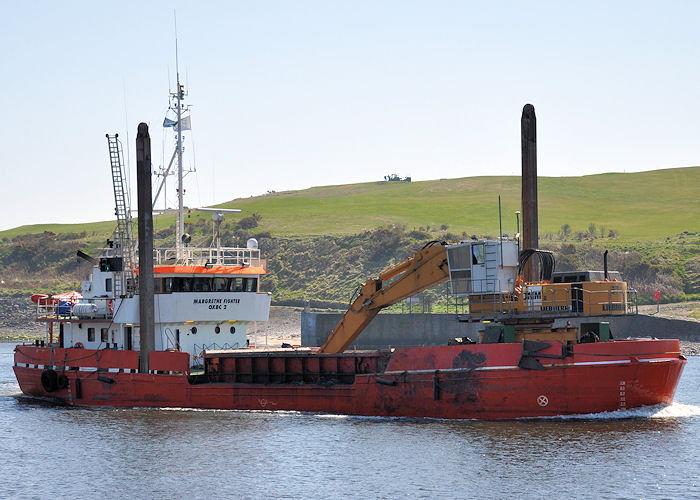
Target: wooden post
{"type": "Point", "coordinates": [143, 187]}
{"type": "Point", "coordinates": [528, 136]}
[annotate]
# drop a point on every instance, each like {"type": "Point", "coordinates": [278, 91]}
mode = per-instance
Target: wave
{"type": "Point", "coordinates": [661, 411]}
{"type": "Point", "coordinates": [9, 389]}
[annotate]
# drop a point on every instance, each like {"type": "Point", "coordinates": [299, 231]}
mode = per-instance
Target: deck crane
{"type": "Point", "coordinates": [425, 269]}
{"type": "Point", "coordinates": [492, 280]}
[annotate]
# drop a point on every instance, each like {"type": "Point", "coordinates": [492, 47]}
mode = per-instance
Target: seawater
{"type": "Point", "coordinates": [52, 451]}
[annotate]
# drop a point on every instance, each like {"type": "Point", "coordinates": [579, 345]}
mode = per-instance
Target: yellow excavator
{"type": "Point", "coordinates": [499, 292]}
{"type": "Point", "coordinates": [424, 270]}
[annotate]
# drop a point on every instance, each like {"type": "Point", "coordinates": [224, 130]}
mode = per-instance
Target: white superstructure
{"type": "Point", "coordinates": [205, 297]}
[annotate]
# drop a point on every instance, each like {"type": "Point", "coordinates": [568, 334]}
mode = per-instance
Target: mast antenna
{"type": "Point", "coordinates": [177, 67]}
{"type": "Point", "coordinates": [179, 96]}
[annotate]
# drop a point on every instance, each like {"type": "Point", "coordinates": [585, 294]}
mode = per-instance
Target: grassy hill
{"type": "Point", "coordinates": [639, 206]}
{"type": "Point", "coordinates": [321, 241]}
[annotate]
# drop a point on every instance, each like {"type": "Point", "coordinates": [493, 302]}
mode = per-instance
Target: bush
{"type": "Point", "coordinates": [565, 231]}
{"type": "Point", "coordinates": [247, 223]}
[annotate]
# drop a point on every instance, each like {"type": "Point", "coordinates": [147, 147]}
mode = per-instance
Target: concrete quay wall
{"type": "Point", "coordinates": [410, 330]}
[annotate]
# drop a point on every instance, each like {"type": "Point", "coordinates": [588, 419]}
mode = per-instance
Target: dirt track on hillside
{"type": "Point", "coordinates": [678, 310]}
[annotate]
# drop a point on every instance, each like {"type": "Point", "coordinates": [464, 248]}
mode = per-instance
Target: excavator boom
{"type": "Point", "coordinates": [425, 269]}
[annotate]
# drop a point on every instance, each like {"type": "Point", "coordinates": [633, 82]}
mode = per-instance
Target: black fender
{"type": "Point", "coordinates": [49, 380]}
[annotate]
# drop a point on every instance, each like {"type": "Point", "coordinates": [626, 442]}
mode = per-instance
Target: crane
{"type": "Point", "coordinates": [497, 294]}
{"type": "Point", "coordinates": [427, 268]}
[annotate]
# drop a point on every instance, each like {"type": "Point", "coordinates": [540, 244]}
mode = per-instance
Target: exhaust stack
{"type": "Point", "coordinates": [605, 265]}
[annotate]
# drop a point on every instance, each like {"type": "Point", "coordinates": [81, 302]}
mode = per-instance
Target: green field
{"type": "Point", "coordinates": [644, 206]}
{"type": "Point", "coordinates": [639, 206]}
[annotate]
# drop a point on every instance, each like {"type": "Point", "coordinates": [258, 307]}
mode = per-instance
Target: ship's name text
{"type": "Point", "coordinates": [216, 301]}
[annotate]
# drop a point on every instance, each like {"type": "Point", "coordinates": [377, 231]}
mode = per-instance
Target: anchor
{"type": "Point", "coordinates": [530, 352]}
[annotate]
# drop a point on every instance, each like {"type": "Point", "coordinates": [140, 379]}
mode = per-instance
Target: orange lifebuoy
{"type": "Point", "coordinates": [110, 304]}
{"type": "Point", "coordinates": [79, 345]}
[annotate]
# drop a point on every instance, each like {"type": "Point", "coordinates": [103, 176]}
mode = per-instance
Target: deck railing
{"type": "Point", "coordinates": [201, 256]}
{"type": "Point", "coordinates": [94, 307]}
{"type": "Point", "coordinates": [562, 304]}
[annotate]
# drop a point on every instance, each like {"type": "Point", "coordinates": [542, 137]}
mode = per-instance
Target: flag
{"type": "Point", "coordinates": [186, 125]}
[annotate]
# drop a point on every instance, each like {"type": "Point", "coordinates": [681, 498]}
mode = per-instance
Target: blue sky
{"type": "Point", "coordinates": [293, 94]}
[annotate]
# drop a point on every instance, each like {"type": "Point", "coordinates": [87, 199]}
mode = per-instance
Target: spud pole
{"type": "Point", "coordinates": [145, 213]}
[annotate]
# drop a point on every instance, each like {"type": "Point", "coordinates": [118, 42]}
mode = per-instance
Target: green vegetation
{"type": "Point", "coordinates": [641, 206]}
{"type": "Point", "coordinates": [321, 242]}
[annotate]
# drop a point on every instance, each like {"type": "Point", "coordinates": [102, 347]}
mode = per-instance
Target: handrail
{"type": "Point", "coordinates": [64, 309]}
{"type": "Point", "coordinates": [199, 351]}
{"type": "Point", "coordinates": [222, 256]}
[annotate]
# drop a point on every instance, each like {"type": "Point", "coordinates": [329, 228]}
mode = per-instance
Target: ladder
{"type": "Point", "coordinates": [492, 257]}
{"type": "Point", "coordinates": [123, 282]}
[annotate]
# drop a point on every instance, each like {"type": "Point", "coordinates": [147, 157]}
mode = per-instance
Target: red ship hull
{"type": "Point", "coordinates": [481, 381]}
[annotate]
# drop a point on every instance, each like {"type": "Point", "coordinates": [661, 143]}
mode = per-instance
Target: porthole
{"type": "Point", "coordinates": [194, 329]}
{"type": "Point", "coordinates": [217, 329]}
{"type": "Point", "coordinates": [233, 329]}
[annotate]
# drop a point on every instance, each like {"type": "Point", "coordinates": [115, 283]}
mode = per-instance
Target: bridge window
{"type": "Point", "coordinates": [91, 334]}
{"type": "Point", "coordinates": [220, 285]}
{"type": "Point", "coordinates": [170, 285]}
{"type": "Point", "coordinates": [478, 253]}
{"type": "Point", "coordinates": [201, 284]}
{"type": "Point", "coordinates": [182, 284]}
{"type": "Point", "coordinates": [251, 284]}
{"type": "Point", "coordinates": [104, 335]}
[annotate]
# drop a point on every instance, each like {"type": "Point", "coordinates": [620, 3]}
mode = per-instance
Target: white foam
{"type": "Point", "coordinates": [9, 389]}
{"type": "Point", "coordinates": [674, 410]}
{"type": "Point", "coordinates": [280, 413]}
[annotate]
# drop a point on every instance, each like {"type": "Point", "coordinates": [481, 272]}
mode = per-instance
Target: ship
{"type": "Point", "coordinates": [519, 366]}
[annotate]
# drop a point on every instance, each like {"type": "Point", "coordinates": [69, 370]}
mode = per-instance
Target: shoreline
{"type": "Point", "coordinates": [17, 325]}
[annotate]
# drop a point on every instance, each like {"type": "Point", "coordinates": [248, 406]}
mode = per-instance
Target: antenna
{"type": "Point", "coordinates": [128, 151]}
{"type": "Point", "coordinates": [175, 105]}
{"type": "Point", "coordinates": [177, 70]}
{"type": "Point", "coordinates": [179, 95]}
{"type": "Point", "coordinates": [217, 216]}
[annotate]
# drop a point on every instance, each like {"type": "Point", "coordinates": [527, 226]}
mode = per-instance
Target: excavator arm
{"type": "Point", "coordinates": [425, 269]}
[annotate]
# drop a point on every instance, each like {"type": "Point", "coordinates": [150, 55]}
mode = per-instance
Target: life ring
{"type": "Point", "coordinates": [79, 345]}
{"type": "Point", "coordinates": [589, 338]}
{"type": "Point", "coordinates": [110, 304]}
{"type": "Point", "coordinates": [49, 380]}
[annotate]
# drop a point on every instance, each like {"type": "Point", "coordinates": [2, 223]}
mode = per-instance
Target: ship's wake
{"type": "Point", "coordinates": [9, 389]}
{"type": "Point", "coordinates": [660, 411]}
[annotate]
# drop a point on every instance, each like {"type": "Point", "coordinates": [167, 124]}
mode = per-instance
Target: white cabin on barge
{"type": "Point", "coordinates": [203, 300]}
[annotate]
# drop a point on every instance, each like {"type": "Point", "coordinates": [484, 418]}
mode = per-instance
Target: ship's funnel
{"type": "Point", "coordinates": [144, 189]}
{"type": "Point", "coordinates": [528, 136]}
